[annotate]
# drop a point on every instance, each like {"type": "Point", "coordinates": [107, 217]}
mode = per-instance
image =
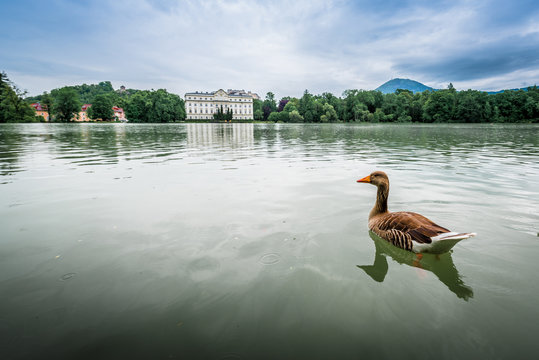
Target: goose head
{"type": "Point", "coordinates": [377, 178]}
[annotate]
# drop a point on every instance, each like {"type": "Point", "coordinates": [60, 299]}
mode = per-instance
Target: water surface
{"type": "Point", "coordinates": [242, 241]}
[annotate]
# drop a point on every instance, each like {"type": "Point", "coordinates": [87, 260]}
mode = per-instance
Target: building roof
{"type": "Point", "coordinates": [85, 107]}
{"type": "Point", "coordinates": [117, 109]}
{"type": "Point", "coordinates": [200, 93]}
{"type": "Point", "coordinates": [39, 107]}
{"type": "Point", "coordinates": [230, 92]}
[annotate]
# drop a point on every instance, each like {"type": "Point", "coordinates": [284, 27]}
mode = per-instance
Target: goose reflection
{"type": "Point", "coordinates": [441, 265]}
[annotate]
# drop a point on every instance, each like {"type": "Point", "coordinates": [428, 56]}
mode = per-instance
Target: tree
{"type": "Point", "coordinates": [274, 116]}
{"type": "Point", "coordinates": [289, 107]}
{"type": "Point", "coordinates": [101, 108]}
{"type": "Point", "coordinates": [155, 106]}
{"type": "Point", "coordinates": [12, 106]}
{"type": "Point", "coordinates": [330, 115]}
{"type": "Point", "coordinates": [416, 106]}
{"type": "Point", "coordinates": [166, 107]}
{"type": "Point", "coordinates": [138, 107]}
{"type": "Point", "coordinates": [258, 113]}
{"type": "Point", "coordinates": [282, 104]}
{"type": "Point", "coordinates": [269, 106]}
{"type": "Point", "coordinates": [294, 116]}
{"type": "Point", "coordinates": [471, 106]}
{"type": "Point", "coordinates": [440, 107]}
{"type": "Point", "coordinates": [66, 104]}
{"type": "Point", "coordinates": [306, 106]}
{"type": "Point", "coordinates": [47, 101]}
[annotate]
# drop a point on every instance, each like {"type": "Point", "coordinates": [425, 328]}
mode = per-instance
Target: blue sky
{"type": "Point", "coordinates": [280, 46]}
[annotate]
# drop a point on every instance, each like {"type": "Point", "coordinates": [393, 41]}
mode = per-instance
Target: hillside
{"type": "Point", "coordinates": [87, 93]}
{"type": "Point", "coordinates": [392, 85]}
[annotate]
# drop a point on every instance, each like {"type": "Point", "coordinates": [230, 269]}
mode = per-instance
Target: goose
{"type": "Point", "coordinates": [407, 230]}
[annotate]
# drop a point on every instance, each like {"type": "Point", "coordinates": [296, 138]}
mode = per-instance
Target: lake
{"type": "Point", "coordinates": [243, 241]}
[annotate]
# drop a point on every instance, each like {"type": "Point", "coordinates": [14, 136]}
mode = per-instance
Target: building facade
{"type": "Point", "coordinates": [119, 114]}
{"type": "Point", "coordinates": [41, 110]}
{"type": "Point", "coordinates": [83, 114]}
{"type": "Point", "coordinates": [202, 105]}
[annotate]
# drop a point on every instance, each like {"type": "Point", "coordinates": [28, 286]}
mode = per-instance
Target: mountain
{"type": "Point", "coordinates": [392, 85]}
{"type": "Point", "coordinates": [501, 91]}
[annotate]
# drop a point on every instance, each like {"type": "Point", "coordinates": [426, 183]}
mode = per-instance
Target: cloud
{"type": "Point", "coordinates": [279, 46]}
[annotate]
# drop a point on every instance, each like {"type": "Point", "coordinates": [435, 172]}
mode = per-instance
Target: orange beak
{"type": "Point", "coordinates": [366, 179]}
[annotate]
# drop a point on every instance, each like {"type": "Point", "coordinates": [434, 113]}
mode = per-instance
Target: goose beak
{"type": "Point", "coordinates": [366, 179]}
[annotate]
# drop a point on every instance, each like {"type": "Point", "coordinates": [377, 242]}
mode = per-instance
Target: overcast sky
{"type": "Point", "coordinates": [279, 46]}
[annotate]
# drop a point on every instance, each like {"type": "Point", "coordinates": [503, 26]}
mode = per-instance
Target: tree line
{"type": "Point", "coordinates": [439, 106]}
{"type": "Point", "coordinates": [65, 103]}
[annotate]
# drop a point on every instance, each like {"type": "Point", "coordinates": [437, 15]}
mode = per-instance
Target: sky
{"type": "Point", "coordinates": [284, 47]}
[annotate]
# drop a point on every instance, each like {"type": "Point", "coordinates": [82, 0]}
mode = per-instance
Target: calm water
{"type": "Point", "coordinates": [242, 241]}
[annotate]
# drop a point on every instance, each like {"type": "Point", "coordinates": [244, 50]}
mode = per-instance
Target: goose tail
{"type": "Point", "coordinates": [441, 243]}
{"type": "Point", "coordinates": [452, 236]}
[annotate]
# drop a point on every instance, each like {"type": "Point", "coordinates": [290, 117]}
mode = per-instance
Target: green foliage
{"type": "Point", "coordinates": [66, 104]}
{"type": "Point", "coordinates": [87, 93]}
{"type": "Point", "coordinates": [403, 105]}
{"type": "Point", "coordinates": [294, 116]}
{"type": "Point", "coordinates": [440, 107]}
{"type": "Point", "coordinates": [330, 115]}
{"type": "Point", "coordinates": [269, 105]}
{"type": "Point", "coordinates": [290, 106]}
{"type": "Point", "coordinates": [222, 115]}
{"type": "Point", "coordinates": [155, 106]}
{"type": "Point", "coordinates": [306, 106]}
{"type": "Point", "coordinates": [12, 106]}
{"type": "Point", "coordinates": [101, 108]}
{"type": "Point", "coordinates": [275, 116]}
{"type": "Point", "coordinates": [258, 114]}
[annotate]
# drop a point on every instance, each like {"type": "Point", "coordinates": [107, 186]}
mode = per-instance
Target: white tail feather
{"type": "Point", "coordinates": [452, 236]}
{"type": "Point", "coordinates": [441, 243]}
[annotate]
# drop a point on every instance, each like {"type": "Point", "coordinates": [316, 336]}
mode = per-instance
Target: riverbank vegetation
{"type": "Point", "coordinates": [440, 106]}
{"type": "Point", "coordinates": [371, 106]}
{"type": "Point", "coordinates": [141, 106]}
{"type": "Point", "coordinates": [12, 106]}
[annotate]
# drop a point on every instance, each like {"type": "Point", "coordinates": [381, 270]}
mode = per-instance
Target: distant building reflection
{"type": "Point", "coordinates": [441, 265]}
{"type": "Point", "coordinates": [227, 135]}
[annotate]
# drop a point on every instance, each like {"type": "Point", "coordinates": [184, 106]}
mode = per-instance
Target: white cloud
{"type": "Point", "coordinates": [279, 46]}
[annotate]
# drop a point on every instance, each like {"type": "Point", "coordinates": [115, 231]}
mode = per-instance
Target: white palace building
{"type": "Point", "coordinates": [202, 105]}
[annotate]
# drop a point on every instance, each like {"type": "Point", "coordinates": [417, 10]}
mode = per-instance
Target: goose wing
{"type": "Point", "coordinates": [400, 228]}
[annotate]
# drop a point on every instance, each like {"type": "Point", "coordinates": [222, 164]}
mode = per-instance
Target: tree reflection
{"type": "Point", "coordinates": [11, 148]}
{"type": "Point", "coordinates": [440, 264]}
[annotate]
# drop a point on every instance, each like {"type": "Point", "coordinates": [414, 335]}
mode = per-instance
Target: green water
{"type": "Point", "coordinates": [242, 241]}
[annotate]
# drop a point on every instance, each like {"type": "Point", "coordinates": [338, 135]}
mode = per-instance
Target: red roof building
{"type": "Point", "coordinates": [119, 114]}
{"type": "Point", "coordinates": [41, 110]}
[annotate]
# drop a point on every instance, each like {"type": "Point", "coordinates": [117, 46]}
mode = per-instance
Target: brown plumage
{"type": "Point", "coordinates": [407, 230]}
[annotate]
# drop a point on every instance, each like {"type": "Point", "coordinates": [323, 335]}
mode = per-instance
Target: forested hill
{"type": "Point", "coordinates": [87, 93]}
{"type": "Point", "coordinates": [392, 85]}
{"type": "Point", "coordinates": [65, 103]}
